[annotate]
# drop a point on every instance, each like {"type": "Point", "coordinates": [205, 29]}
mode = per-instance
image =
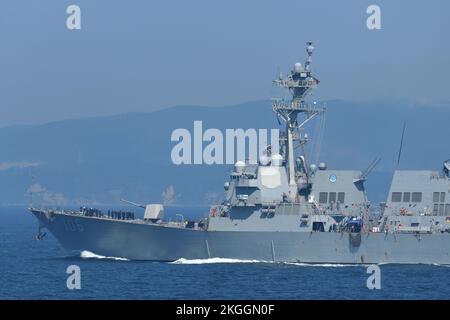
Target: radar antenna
{"type": "Point", "coordinates": [299, 82]}
{"type": "Point", "coordinates": [401, 144]}
{"type": "Point", "coordinates": [369, 169]}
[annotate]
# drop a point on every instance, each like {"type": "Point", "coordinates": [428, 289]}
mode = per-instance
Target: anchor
{"type": "Point", "coordinates": [40, 235]}
{"type": "Point", "coordinates": [355, 238]}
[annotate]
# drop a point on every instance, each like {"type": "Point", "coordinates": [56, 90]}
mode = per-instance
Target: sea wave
{"type": "Point", "coordinates": [91, 255]}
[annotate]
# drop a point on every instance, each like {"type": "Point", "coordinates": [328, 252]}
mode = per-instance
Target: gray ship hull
{"type": "Point", "coordinates": [141, 241]}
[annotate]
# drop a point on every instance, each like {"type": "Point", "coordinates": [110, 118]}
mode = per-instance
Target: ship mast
{"type": "Point", "coordinates": [299, 82]}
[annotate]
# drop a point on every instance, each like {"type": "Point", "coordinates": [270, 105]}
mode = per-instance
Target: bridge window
{"type": "Point", "coordinates": [435, 196]}
{"type": "Point", "coordinates": [441, 209]}
{"type": "Point", "coordinates": [442, 196]}
{"type": "Point", "coordinates": [406, 196]}
{"type": "Point", "coordinates": [341, 197]}
{"type": "Point", "coordinates": [416, 197]}
{"type": "Point", "coordinates": [323, 197]}
{"type": "Point", "coordinates": [396, 196]}
{"type": "Point", "coordinates": [447, 209]}
{"type": "Point", "coordinates": [435, 209]}
{"type": "Point", "coordinates": [332, 198]}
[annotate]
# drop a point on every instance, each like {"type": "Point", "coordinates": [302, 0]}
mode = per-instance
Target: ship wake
{"type": "Point", "coordinates": [326, 265]}
{"type": "Point", "coordinates": [214, 260]}
{"type": "Point", "coordinates": [91, 255]}
{"type": "Point", "coordinates": [229, 260]}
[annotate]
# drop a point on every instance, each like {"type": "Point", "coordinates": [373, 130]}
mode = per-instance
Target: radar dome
{"type": "Point", "coordinates": [322, 166]}
{"type": "Point", "coordinates": [277, 160]}
{"type": "Point", "coordinates": [298, 67]}
{"type": "Point", "coordinates": [239, 166]}
{"type": "Point", "coordinates": [264, 160]}
{"type": "Point", "coordinates": [313, 168]}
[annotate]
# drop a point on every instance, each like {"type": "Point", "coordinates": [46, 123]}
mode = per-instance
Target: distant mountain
{"type": "Point", "coordinates": [101, 160]}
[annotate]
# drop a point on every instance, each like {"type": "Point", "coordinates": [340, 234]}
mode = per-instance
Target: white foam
{"type": "Point", "coordinates": [90, 255]}
{"type": "Point", "coordinates": [441, 265]}
{"type": "Point", "coordinates": [228, 260]}
{"type": "Point", "coordinates": [326, 265]}
{"type": "Point", "coordinates": [214, 260]}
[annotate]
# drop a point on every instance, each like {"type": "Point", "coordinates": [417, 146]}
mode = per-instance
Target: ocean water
{"type": "Point", "coordinates": [31, 269]}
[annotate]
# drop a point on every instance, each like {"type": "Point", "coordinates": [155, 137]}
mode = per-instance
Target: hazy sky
{"type": "Point", "coordinates": [145, 55]}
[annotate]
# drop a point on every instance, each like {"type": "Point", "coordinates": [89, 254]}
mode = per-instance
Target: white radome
{"type": "Point", "coordinates": [239, 166]}
{"type": "Point", "coordinates": [277, 160]}
{"type": "Point", "coordinates": [264, 160]}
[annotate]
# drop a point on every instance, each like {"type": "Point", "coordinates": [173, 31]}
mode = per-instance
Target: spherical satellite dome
{"type": "Point", "coordinates": [322, 166]}
{"type": "Point", "coordinates": [313, 168]}
{"type": "Point", "coordinates": [264, 160]}
{"type": "Point", "coordinates": [277, 160]}
{"type": "Point", "coordinates": [239, 166]}
{"type": "Point", "coordinates": [298, 67]}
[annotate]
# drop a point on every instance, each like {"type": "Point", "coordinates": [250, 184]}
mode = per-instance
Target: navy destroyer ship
{"type": "Point", "coordinates": [280, 208]}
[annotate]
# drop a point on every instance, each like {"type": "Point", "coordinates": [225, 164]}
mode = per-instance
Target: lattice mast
{"type": "Point", "coordinates": [299, 82]}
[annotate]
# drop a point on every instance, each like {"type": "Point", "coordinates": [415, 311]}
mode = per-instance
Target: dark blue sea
{"type": "Point", "coordinates": [31, 269]}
